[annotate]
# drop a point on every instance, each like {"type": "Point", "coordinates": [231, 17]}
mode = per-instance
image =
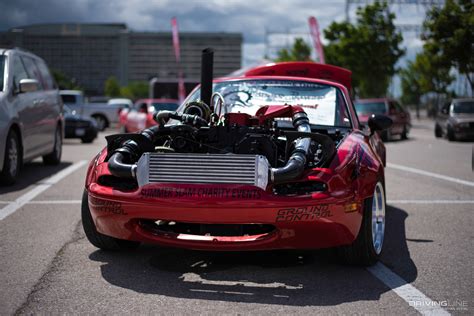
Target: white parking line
{"type": "Point", "coordinates": [430, 201]}
{"type": "Point", "coordinates": [407, 292]}
{"type": "Point", "coordinates": [56, 202]}
{"type": "Point", "coordinates": [430, 174]}
{"type": "Point", "coordinates": [40, 188]}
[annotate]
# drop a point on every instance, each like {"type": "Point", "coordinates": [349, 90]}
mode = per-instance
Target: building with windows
{"type": "Point", "coordinates": [91, 53]}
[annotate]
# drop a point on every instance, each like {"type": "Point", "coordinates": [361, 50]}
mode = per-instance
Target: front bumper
{"type": "Point", "coordinates": [464, 132]}
{"type": "Point", "coordinates": [314, 221]}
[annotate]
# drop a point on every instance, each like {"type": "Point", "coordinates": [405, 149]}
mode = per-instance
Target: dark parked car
{"type": "Point", "coordinates": [456, 120]}
{"type": "Point", "coordinates": [79, 127]}
{"type": "Point", "coordinates": [399, 115]}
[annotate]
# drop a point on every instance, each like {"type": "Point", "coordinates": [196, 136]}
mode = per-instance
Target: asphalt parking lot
{"type": "Point", "coordinates": [48, 267]}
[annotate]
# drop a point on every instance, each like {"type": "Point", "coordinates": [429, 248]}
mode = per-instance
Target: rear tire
{"type": "Point", "coordinates": [54, 158]}
{"type": "Point", "coordinates": [367, 247]}
{"type": "Point", "coordinates": [97, 239]}
{"type": "Point", "coordinates": [438, 131]}
{"type": "Point", "coordinates": [405, 132]}
{"type": "Point", "coordinates": [12, 160]}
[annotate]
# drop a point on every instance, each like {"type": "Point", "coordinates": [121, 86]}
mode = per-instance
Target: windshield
{"type": "Point", "coordinates": [2, 68]}
{"type": "Point", "coordinates": [370, 107]}
{"type": "Point", "coordinates": [164, 106]}
{"type": "Point", "coordinates": [323, 103]}
{"type": "Point", "coordinates": [68, 98]}
{"type": "Point", "coordinates": [464, 107]}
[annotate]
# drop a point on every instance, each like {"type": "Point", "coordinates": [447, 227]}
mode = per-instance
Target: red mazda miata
{"type": "Point", "coordinates": [273, 159]}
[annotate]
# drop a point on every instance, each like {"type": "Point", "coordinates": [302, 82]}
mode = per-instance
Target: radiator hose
{"type": "Point", "coordinates": [297, 161]}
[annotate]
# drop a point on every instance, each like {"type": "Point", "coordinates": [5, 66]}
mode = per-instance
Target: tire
{"type": "Point", "coordinates": [12, 160]}
{"type": "Point", "coordinates": [367, 247]}
{"type": "Point", "coordinates": [87, 140]}
{"type": "Point", "coordinates": [451, 136]}
{"type": "Point", "coordinates": [101, 121]}
{"type": "Point", "coordinates": [438, 131]}
{"type": "Point", "coordinates": [54, 158]}
{"type": "Point", "coordinates": [97, 239]}
{"type": "Point", "coordinates": [386, 135]}
{"type": "Point", "coordinates": [405, 132]}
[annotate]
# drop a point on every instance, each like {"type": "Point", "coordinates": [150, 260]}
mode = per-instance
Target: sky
{"type": "Point", "coordinates": [253, 18]}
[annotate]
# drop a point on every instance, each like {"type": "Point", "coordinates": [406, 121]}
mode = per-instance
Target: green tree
{"type": "Point", "coordinates": [427, 73]}
{"type": "Point", "coordinates": [300, 51]}
{"type": "Point", "coordinates": [135, 90]}
{"type": "Point", "coordinates": [63, 81]}
{"type": "Point", "coordinates": [410, 84]}
{"type": "Point", "coordinates": [449, 35]}
{"type": "Point", "coordinates": [112, 87]}
{"type": "Point", "coordinates": [370, 48]}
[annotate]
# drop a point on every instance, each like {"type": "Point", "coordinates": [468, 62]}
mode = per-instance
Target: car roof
{"type": "Point", "coordinates": [374, 100]}
{"type": "Point", "coordinates": [17, 50]}
{"type": "Point", "coordinates": [463, 100]}
{"type": "Point", "coordinates": [76, 92]}
{"type": "Point", "coordinates": [158, 100]}
{"type": "Point", "coordinates": [119, 100]}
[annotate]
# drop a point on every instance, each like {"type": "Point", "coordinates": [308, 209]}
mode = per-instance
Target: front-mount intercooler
{"type": "Point", "coordinates": [203, 169]}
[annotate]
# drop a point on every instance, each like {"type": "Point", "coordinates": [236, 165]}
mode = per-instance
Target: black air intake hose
{"type": "Point", "coordinates": [195, 120]}
{"type": "Point", "coordinates": [122, 162]}
{"type": "Point", "coordinates": [297, 161]}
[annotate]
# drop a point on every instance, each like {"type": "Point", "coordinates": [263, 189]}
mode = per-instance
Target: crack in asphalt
{"type": "Point", "coordinates": [53, 266]}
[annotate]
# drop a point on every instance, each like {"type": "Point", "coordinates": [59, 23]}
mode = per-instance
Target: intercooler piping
{"type": "Point", "coordinates": [121, 162]}
{"type": "Point", "coordinates": [297, 161]}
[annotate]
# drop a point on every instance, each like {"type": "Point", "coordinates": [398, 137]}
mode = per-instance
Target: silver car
{"type": "Point", "coordinates": [31, 122]}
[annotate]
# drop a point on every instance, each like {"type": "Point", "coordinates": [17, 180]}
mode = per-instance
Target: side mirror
{"type": "Point", "coordinates": [379, 122]}
{"type": "Point", "coordinates": [28, 85]}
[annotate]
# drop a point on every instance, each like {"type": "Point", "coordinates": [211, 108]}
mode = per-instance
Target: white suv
{"type": "Point", "coordinates": [31, 121]}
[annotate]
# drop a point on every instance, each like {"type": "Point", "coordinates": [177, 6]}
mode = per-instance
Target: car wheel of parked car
{"type": "Point", "coordinates": [87, 140]}
{"type": "Point", "coordinates": [54, 158]}
{"type": "Point", "coordinates": [97, 239]}
{"type": "Point", "coordinates": [386, 135]}
{"type": "Point", "coordinates": [101, 122]}
{"type": "Point", "coordinates": [438, 131]}
{"type": "Point", "coordinates": [366, 249]}
{"type": "Point", "coordinates": [12, 162]}
{"type": "Point", "coordinates": [405, 132]}
{"type": "Point", "coordinates": [451, 136]}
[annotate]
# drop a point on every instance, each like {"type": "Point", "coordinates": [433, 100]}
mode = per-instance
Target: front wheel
{"type": "Point", "coordinates": [87, 140]}
{"type": "Point", "coordinates": [451, 136]}
{"type": "Point", "coordinates": [12, 160]}
{"type": "Point", "coordinates": [101, 122]}
{"type": "Point", "coordinates": [405, 132]}
{"type": "Point", "coordinates": [54, 158]}
{"type": "Point", "coordinates": [97, 239]}
{"type": "Point", "coordinates": [386, 135]}
{"type": "Point", "coordinates": [367, 247]}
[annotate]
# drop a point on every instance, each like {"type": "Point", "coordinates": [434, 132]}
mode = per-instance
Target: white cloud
{"type": "Point", "coordinates": [251, 18]}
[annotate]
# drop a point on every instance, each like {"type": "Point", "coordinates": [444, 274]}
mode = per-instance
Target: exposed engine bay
{"type": "Point", "coordinates": [200, 144]}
